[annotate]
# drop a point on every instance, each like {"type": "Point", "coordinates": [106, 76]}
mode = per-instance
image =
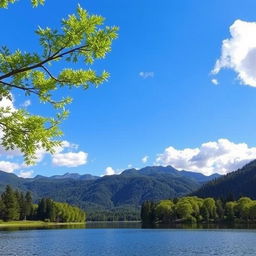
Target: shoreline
{"type": "Point", "coordinates": [28, 223]}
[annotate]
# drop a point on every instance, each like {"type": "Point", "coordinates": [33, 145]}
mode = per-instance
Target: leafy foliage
{"type": "Point", "coordinates": [81, 37]}
{"type": "Point", "coordinates": [5, 3]}
{"type": "Point", "coordinates": [15, 206]}
{"type": "Point", "coordinates": [195, 210]}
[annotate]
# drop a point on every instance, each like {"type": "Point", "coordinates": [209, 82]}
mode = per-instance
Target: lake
{"type": "Point", "coordinates": [127, 241]}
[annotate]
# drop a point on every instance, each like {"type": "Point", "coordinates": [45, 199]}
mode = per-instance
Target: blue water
{"type": "Point", "coordinates": [127, 242]}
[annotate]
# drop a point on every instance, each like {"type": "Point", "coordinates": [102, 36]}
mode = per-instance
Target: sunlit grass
{"type": "Point", "coordinates": [29, 223]}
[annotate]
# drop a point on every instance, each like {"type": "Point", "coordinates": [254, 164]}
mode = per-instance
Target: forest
{"type": "Point", "coordinates": [15, 205]}
{"type": "Point", "coordinates": [198, 210]}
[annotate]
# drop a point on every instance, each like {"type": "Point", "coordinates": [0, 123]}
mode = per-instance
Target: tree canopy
{"type": "Point", "coordinates": [15, 205]}
{"type": "Point", "coordinates": [193, 209]}
{"type": "Point", "coordinates": [81, 37]}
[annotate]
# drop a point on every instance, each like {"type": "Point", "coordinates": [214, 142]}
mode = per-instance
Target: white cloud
{"type": "Point", "coordinates": [7, 166]}
{"type": "Point", "coordinates": [41, 153]}
{"type": "Point", "coordinates": [9, 153]}
{"type": "Point", "coordinates": [239, 52]}
{"type": "Point", "coordinates": [70, 159]}
{"type": "Point", "coordinates": [66, 145]}
{"type": "Point", "coordinates": [26, 103]}
{"type": "Point", "coordinates": [146, 74]}
{"type": "Point", "coordinates": [221, 156]}
{"type": "Point", "coordinates": [145, 159]}
{"type": "Point", "coordinates": [6, 102]}
{"type": "Point", "coordinates": [25, 174]}
{"type": "Point", "coordinates": [109, 171]}
{"type": "Point", "coordinates": [215, 81]}
{"type": "Point", "coordinates": [129, 166]}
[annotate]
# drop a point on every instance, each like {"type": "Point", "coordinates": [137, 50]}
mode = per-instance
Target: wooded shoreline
{"type": "Point", "coordinates": [28, 223]}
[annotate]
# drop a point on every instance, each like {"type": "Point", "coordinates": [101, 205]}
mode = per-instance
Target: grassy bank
{"type": "Point", "coordinates": [36, 224]}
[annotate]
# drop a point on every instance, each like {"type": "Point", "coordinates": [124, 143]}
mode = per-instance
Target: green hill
{"type": "Point", "coordinates": [234, 185]}
{"type": "Point", "coordinates": [125, 191]}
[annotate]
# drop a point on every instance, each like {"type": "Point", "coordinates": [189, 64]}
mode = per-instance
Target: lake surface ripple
{"type": "Point", "coordinates": [127, 242]}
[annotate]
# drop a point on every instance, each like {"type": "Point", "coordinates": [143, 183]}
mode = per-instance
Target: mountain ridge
{"type": "Point", "coordinates": [131, 187]}
{"type": "Point", "coordinates": [241, 182]}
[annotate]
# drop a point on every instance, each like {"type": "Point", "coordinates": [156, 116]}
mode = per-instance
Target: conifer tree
{"type": "Point", "coordinates": [11, 206]}
{"type": "Point", "coordinates": [28, 205]}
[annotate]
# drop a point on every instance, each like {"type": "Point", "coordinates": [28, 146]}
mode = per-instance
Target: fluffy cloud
{"type": "Point", "coordinates": [144, 159]}
{"type": "Point", "coordinates": [146, 74]}
{"type": "Point", "coordinates": [7, 166]}
{"type": "Point", "coordinates": [70, 159]}
{"type": "Point", "coordinates": [26, 103]}
{"type": "Point", "coordinates": [220, 156]}
{"type": "Point", "coordinates": [25, 174]}
{"type": "Point", "coordinates": [215, 81]}
{"type": "Point", "coordinates": [6, 102]}
{"type": "Point", "coordinates": [41, 153]}
{"type": "Point", "coordinates": [109, 171]}
{"type": "Point", "coordinates": [66, 145]}
{"type": "Point", "coordinates": [239, 52]}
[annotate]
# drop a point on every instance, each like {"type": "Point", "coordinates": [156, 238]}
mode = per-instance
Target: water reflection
{"type": "Point", "coordinates": [111, 241]}
{"type": "Point", "coordinates": [132, 225]}
{"type": "Point", "coordinates": [200, 226]}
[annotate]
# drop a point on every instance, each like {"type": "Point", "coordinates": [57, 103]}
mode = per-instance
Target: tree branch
{"type": "Point", "coordinates": [38, 65]}
{"type": "Point", "coordinates": [30, 89]}
{"type": "Point", "coordinates": [49, 73]}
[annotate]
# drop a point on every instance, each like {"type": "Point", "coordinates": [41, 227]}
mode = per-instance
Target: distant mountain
{"type": "Point", "coordinates": [11, 179]}
{"type": "Point", "coordinates": [157, 170]}
{"type": "Point", "coordinates": [199, 176]}
{"type": "Point", "coordinates": [235, 184]}
{"type": "Point", "coordinates": [130, 188]}
{"type": "Point", "coordinates": [73, 176]}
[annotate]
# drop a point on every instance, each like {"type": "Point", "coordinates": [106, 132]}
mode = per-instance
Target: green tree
{"type": "Point", "coordinates": [2, 209]}
{"type": "Point", "coordinates": [81, 37]}
{"type": "Point", "coordinates": [50, 210]}
{"type": "Point", "coordinates": [252, 211]}
{"type": "Point", "coordinates": [148, 213]}
{"type": "Point", "coordinates": [22, 206]}
{"type": "Point", "coordinates": [184, 209]}
{"type": "Point", "coordinates": [164, 211]}
{"type": "Point", "coordinates": [11, 206]}
{"type": "Point", "coordinates": [242, 207]}
{"type": "Point", "coordinates": [28, 205]}
{"type": "Point", "coordinates": [205, 213]}
{"type": "Point", "coordinates": [230, 212]}
{"type": "Point", "coordinates": [209, 204]}
{"type": "Point", "coordinates": [220, 209]}
{"type": "Point", "coordinates": [42, 209]}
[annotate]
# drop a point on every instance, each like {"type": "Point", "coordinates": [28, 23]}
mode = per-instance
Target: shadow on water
{"type": "Point", "coordinates": [69, 226]}
{"type": "Point", "coordinates": [200, 226]}
{"type": "Point", "coordinates": [88, 225]}
{"type": "Point", "coordinates": [131, 225]}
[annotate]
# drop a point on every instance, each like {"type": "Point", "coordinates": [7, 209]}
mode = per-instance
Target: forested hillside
{"type": "Point", "coordinates": [108, 196]}
{"type": "Point", "coordinates": [233, 185]}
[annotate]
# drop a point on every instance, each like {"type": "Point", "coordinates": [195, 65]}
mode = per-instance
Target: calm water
{"type": "Point", "coordinates": [128, 242]}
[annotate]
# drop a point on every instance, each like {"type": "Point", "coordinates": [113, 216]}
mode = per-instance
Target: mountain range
{"type": "Point", "coordinates": [130, 188]}
{"type": "Point", "coordinates": [122, 195]}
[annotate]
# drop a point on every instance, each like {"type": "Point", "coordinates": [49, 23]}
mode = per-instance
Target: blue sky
{"type": "Point", "coordinates": [160, 93]}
